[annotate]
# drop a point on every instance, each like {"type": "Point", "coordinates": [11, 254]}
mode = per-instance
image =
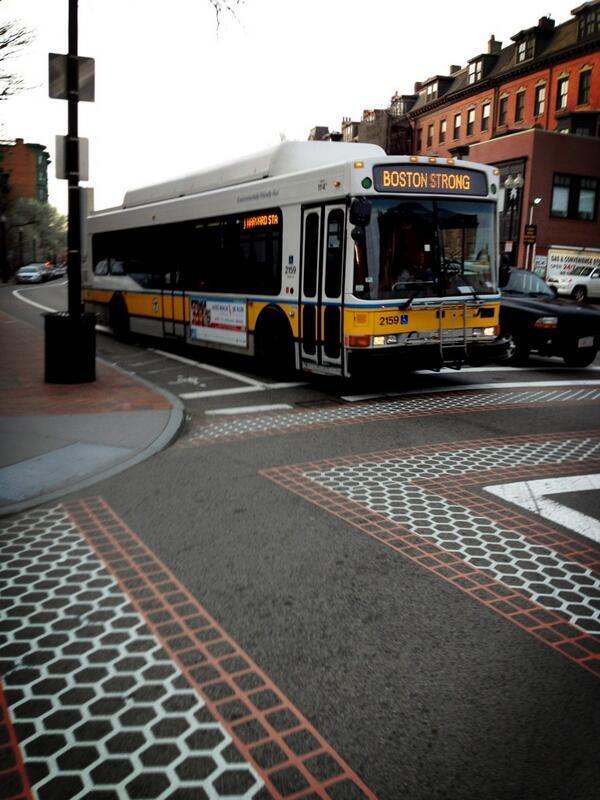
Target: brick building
{"type": "Point", "coordinates": [532, 109]}
{"type": "Point", "coordinates": [27, 167]}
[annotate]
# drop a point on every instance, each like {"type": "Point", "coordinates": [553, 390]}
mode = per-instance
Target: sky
{"type": "Point", "coordinates": [175, 94]}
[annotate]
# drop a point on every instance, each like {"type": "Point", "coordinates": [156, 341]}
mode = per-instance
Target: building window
{"type": "Point", "coordinates": [540, 100]}
{"type": "Point", "coordinates": [502, 110]}
{"type": "Point", "coordinates": [525, 49]}
{"type": "Point", "coordinates": [520, 106]}
{"type": "Point", "coordinates": [475, 71]}
{"type": "Point", "coordinates": [585, 81]}
{"type": "Point", "coordinates": [419, 138]}
{"type": "Point", "coordinates": [470, 121]}
{"type": "Point", "coordinates": [429, 135]}
{"type": "Point", "coordinates": [589, 23]}
{"type": "Point", "coordinates": [485, 117]}
{"type": "Point", "coordinates": [562, 93]}
{"type": "Point", "coordinates": [432, 91]}
{"type": "Point", "coordinates": [457, 123]}
{"type": "Point", "coordinates": [442, 131]}
{"type": "Point", "coordinates": [574, 197]}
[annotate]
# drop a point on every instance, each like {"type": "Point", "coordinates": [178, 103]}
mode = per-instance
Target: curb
{"type": "Point", "coordinates": [167, 436]}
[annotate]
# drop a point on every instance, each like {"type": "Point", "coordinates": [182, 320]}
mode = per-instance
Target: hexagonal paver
{"type": "Point", "coordinates": [389, 486]}
{"type": "Point", "coordinates": [96, 702]}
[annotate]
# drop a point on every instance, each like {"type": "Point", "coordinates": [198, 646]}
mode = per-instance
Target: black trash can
{"type": "Point", "coordinates": [70, 348]}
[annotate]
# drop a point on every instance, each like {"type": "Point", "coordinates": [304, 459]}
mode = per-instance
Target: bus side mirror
{"type": "Point", "coordinates": [360, 212]}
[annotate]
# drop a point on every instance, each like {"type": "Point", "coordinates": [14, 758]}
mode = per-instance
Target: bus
{"type": "Point", "coordinates": [326, 257]}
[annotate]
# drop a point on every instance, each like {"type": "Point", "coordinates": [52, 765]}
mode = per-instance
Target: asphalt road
{"type": "Point", "coordinates": [300, 538]}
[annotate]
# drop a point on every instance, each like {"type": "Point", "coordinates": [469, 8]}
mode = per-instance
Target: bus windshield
{"type": "Point", "coordinates": [425, 248]}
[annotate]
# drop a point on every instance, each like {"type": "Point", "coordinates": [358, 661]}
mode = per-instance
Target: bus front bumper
{"type": "Point", "coordinates": [427, 356]}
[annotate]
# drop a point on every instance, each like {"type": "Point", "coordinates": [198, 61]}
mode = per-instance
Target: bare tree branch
{"type": "Point", "coordinates": [227, 6]}
{"type": "Point", "coordinates": [13, 37]}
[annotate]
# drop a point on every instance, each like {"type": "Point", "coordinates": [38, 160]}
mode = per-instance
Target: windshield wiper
{"type": "Point", "coordinates": [408, 302]}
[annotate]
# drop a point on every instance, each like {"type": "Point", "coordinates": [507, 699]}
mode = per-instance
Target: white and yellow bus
{"type": "Point", "coordinates": [330, 257]}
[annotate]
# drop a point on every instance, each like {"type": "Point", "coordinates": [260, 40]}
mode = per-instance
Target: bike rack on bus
{"type": "Point", "coordinates": [441, 311]}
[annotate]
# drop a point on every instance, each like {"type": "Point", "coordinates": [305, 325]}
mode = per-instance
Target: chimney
{"type": "Point", "coordinates": [454, 68]}
{"type": "Point", "coordinates": [494, 47]}
{"type": "Point", "coordinates": [546, 23]}
{"type": "Point", "coordinates": [418, 85]}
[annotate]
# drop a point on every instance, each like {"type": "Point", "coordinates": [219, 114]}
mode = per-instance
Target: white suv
{"type": "Point", "coordinates": [580, 284]}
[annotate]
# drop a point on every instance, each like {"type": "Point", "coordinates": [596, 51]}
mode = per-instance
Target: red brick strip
{"type": "Point", "coordinates": [23, 391]}
{"type": "Point", "coordinates": [288, 753]}
{"type": "Point", "coordinates": [547, 626]}
{"type": "Point", "coordinates": [14, 783]}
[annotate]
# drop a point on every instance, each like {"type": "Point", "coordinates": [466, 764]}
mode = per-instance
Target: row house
{"type": "Point", "coordinates": [533, 110]}
{"type": "Point", "coordinates": [26, 165]}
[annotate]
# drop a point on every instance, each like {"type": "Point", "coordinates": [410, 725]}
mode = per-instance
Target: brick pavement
{"type": "Point", "coordinates": [23, 391]}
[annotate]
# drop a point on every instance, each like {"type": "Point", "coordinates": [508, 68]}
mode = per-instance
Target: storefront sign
{"type": "Point", "coordinates": [565, 260]}
{"type": "Point", "coordinates": [221, 321]}
{"type": "Point", "coordinates": [540, 266]}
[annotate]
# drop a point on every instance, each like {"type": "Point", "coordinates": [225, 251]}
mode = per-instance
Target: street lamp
{"type": "Point", "coordinates": [532, 204]}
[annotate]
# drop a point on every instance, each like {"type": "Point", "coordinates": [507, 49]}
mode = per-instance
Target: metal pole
{"type": "Point", "coordinates": [72, 166]}
{"type": "Point", "coordinates": [529, 246]}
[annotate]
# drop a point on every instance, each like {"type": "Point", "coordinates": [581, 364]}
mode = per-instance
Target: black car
{"type": "Point", "coordinates": [534, 319]}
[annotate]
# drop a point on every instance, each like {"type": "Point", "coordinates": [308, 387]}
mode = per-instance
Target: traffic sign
{"type": "Point", "coordinates": [61, 160]}
{"type": "Point", "coordinates": [57, 77]}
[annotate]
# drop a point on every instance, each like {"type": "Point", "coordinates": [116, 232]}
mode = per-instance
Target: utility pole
{"type": "Point", "coordinates": [70, 345]}
{"type": "Point", "coordinates": [72, 169]}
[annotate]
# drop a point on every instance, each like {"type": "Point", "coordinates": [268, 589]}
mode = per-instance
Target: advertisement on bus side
{"type": "Point", "coordinates": [217, 320]}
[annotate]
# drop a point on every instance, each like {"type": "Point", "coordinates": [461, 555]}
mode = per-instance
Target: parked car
{"type": "Point", "coordinates": [581, 283]}
{"type": "Point", "coordinates": [60, 270]}
{"type": "Point", "coordinates": [534, 319]}
{"type": "Point", "coordinates": [32, 273]}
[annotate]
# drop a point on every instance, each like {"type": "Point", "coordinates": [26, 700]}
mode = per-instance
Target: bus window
{"type": "Point", "coordinates": [335, 251]}
{"type": "Point", "coordinates": [311, 255]}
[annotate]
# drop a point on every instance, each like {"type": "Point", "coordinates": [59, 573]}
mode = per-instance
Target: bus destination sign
{"type": "Point", "coordinates": [430, 179]}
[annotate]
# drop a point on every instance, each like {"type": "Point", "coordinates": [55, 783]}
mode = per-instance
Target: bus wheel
{"type": "Point", "coordinates": [273, 344]}
{"type": "Point", "coordinates": [118, 318]}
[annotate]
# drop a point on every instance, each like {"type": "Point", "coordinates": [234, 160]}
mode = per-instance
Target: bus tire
{"type": "Point", "coordinates": [274, 343]}
{"type": "Point", "coordinates": [118, 318]}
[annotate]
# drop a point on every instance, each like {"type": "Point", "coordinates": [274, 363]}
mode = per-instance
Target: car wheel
{"type": "Point", "coordinates": [579, 294]}
{"type": "Point", "coordinates": [518, 349]}
{"type": "Point", "coordinates": [580, 358]}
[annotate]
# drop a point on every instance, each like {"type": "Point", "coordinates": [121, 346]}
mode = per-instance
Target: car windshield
{"type": "Point", "coordinates": [424, 248]}
{"type": "Point", "coordinates": [583, 271]}
{"type": "Point", "coordinates": [522, 282]}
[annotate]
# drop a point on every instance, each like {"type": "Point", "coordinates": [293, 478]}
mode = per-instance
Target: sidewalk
{"type": "Point", "coordinates": [55, 439]}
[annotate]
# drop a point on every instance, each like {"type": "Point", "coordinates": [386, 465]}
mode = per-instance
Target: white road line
{"type": "Point", "coordinates": [19, 296]}
{"type": "Point", "coordinates": [210, 368]}
{"type": "Point", "coordinates": [249, 409]}
{"type": "Point", "coordinates": [221, 392]}
{"type": "Point", "coordinates": [357, 398]}
{"type": "Point", "coordinates": [531, 495]}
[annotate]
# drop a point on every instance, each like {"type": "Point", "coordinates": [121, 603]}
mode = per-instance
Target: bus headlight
{"type": "Point", "coordinates": [378, 341]}
{"type": "Point", "coordinates": [491, 331]}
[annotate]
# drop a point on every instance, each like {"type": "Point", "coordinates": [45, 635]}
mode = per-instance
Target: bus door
{"type": "Point", "coordinates": [173, 306]}
{"type": "Point", "coordinates": [322, 287]}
